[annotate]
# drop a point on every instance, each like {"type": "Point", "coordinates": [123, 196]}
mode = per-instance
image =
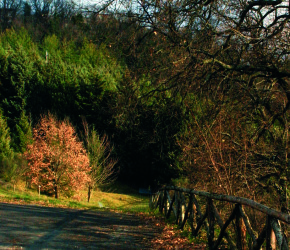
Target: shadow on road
{"type": "Point", "coordinates": [35, 227]}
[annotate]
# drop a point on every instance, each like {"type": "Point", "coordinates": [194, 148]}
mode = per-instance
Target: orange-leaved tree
{"type": "Point", "coordinates": [57, 159]}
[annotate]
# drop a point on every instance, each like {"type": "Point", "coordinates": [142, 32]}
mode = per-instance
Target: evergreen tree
{"type": "Point", "coordinates": [6, 152]}
{"type": "Point", "coordinates": [5, 140]}
{"type": "Point", "coordinates": [23, 135]}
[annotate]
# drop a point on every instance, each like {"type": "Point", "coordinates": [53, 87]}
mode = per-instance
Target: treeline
{"type": "Point", "coordinates": [193, 90]}
{"type": "Point", "coordinates": [84, 80]}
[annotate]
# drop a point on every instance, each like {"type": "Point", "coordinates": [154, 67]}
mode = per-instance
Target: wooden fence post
{"type": "Point", "coordinates": [210, 234]}
{"type": "Point", "coordinates": [158, 199]}
{"type": "Point", "coordinates": [165, 201]}
{"type": "Point", "coordinates": [268, 233]}
{"type": "Point", "coordinates": [200, 219]}
{"type": "Point", "coordinates": [273, 240]}
{"type": "Point", "coordinates": [178, 202]}
{"type": "Point", "coordinates": [240, 230]}
{"type": "Point", "coordinates": [280, 237]}
{"type": "Point", "coordinates": [182, 209]}
{"type": "Point", "coordinates": [192, 211]}
{"type": "Point", "coordinates": [161, 198]}
{"type": "Point", "coordinates": [187, 213]}
{"type": "Point", "coordinates": [153, 200]}
{"type": "Point", "coordinates": [253, 239]}
{"type": "Point", "coordinates": [170, 206]}
{"type": "Point", "coordinates": [182, 217]}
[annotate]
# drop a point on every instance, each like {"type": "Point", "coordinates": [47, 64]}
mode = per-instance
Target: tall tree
{"type": "Point", "coordinates": [57, 160]}
{"type": "Point", "coordinates": [5, 140]}
{"type": "Point", "coordinates": [23, 134]}
{"type": "Point", "coordinates": [10, 167]}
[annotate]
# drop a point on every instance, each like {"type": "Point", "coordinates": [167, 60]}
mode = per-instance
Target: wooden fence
{"type": "Point", "coordinates": [197, 209]}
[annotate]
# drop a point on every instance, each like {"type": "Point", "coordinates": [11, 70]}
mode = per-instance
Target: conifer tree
{"type": "Point", "coordinates": [6, 152]}
{"type": "Point", "coordinates": [5, 140]}
{"type": "Point", "coordinates": [23, 135]}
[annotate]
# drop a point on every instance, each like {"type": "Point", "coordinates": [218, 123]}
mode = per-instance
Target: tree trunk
{"type": "Point", "coordinates": [55, 192]}
{"type": "Point", "coordinates": [89, 192]}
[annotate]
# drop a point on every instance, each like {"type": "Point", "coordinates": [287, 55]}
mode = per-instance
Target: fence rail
{"type": "Point", "coordinates": [188, 207]}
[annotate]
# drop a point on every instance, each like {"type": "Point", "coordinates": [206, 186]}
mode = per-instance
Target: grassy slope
{"type": "Point", "coordinates": [114, 199]}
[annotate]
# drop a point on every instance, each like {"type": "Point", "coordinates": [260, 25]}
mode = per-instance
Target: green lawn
{"type": "Point", "coordinates": [117, 197]}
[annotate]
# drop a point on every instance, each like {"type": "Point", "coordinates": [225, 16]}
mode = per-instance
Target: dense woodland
{"type": "Point", "coordinates": [193, 92]}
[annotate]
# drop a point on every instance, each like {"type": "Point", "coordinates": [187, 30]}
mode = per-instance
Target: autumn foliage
{"type": "Point", "coordinates": [57, 160]}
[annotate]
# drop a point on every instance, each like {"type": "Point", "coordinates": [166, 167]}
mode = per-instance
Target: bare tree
{"type": "Point", "coordinates": [8, 12]}
{"type": "Point", "coordinates": [102, 163]}
{"type": "Point", "coordinates": [228, 53]}
{"type": "Point", "coordinates": [45, 10]}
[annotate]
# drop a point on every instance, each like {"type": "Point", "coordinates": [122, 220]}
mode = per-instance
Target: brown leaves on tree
{"type": "Point", "coordinates": [57, 160]}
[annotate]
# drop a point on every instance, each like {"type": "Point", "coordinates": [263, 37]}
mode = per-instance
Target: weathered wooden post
{"type": "Point", "coordinates": [280, 237]}
{"type": "Point", "coordinates": [240, 230]}
{"type": "Point", "coordinates": [246, 221]}
{"type": "Point", "coordinates": [192, 212]}
{"type": "Point", "coordinates": [165, 200]}
{"type": "Point", "coordinates": [170, 205]}
{"type": "Point", "coordinates": [151, 201]}
{"type": "Point", "coordinates": [157, 199]}
{"type": "Point", "coordinates": [273, 240]}
{"type": "Point", "coordinates": [177, 198]}
{"type": "Point", "coordinates": [168, 201]}
{"type": "Point", "coordinates": [182, 208]}
{"type": "Point", "coordinates": [160, 202]}
{"type": "Point", "coordinates": [210, 235]}
{"type": "Point", "coordinates": [268, 233]}
{"type": "Point", "coordinates": [187, 213]}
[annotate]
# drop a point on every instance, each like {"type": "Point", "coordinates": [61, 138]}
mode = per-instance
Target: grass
{"type": "Point", "coordinates": [118, 197]}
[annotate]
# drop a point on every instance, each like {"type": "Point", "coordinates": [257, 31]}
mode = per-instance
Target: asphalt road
{"type": "Point", "coordinates": [35, 227]}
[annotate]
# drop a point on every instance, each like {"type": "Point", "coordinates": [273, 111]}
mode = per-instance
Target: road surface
{"type": "Point", "coordinates": [35, 227]}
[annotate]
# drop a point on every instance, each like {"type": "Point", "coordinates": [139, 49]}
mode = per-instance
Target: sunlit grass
{"type": "Point", "coordinates": [113, 198]}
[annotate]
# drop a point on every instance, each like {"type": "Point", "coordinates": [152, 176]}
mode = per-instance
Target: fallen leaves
{"type": "Point", "coordinates": [169, 237]}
